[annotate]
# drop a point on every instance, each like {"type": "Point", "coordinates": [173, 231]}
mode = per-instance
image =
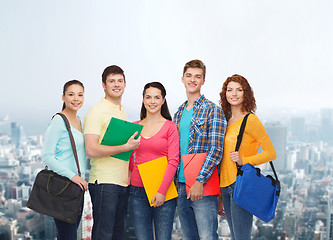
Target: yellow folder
{"type": "Point", "coordinates": [152, 174]}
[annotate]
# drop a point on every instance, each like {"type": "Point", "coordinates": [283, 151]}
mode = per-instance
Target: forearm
{"type": "Point", "coordinates": [168, 177]}
{"type": "Point", "coordinates": [212, 160]}
{"type": "Point", "coordinates": [216, 131]}
{"type": "Point", "coordinates": [268, 154]}
{"type": "Point", "coordinates": [100, 151]}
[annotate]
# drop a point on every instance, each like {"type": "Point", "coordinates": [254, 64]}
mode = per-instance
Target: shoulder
{"type": "Point", "coordinates": [57, 120]}
{"type": "Point", "coordinates": [56, 124]}
{"type": "Point", "coordinates": [171, 128]}
{"type": "Point", "coordinates": [212, 110]}
{"type": "Point", "coordinates": [210, 105]}
{"type": "Point", "coordinates": [170, 124]}
{"type": "Point", "coordinates": [254, 123]}
{"type": "Point", "coordinates": [253, 119]}
{"type": "Point", "coordinates": [95, 111]}
{"type": "Point", "coordinates": [95, 108]}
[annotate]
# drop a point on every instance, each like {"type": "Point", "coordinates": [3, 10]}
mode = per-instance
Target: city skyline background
{"type": "Point", "coordinates": [283, 49]}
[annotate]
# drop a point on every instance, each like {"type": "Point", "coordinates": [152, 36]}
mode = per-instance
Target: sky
{"type": "Point", "coordinates": [284, 49]}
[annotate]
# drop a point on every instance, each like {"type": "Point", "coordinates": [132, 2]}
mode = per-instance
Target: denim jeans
{"type": "Point", "coordinates": [239, 220]}
{"type": "Point", "coordinates": [67, 231]}
{"type": "Point", "coordinates": [146, 218]}
{"type": "Point", "coordinates": [109, 205]}
{"type": "Point", "coordinates": [198, 219]}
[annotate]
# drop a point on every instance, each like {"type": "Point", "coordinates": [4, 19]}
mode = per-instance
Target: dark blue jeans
{"type": "Point", "coordinates": [144, 217]}
{"type": "Point", "coordinates": [239, 220]}
{"type": "Point", "coordinates": [109, 204]}
{"type": "Point", "coordinates": [67, 231]}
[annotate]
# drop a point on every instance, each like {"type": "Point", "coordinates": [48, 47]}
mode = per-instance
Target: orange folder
{"type": "Point", "coordinates": [192, 165]}
{"type": "Point", "coordinates": [152, 174]}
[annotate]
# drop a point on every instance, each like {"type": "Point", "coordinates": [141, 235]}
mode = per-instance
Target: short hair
{"type": "Point", "coordinates": [195, 64]}
{"type": "Point", "coordinates": [113, 69]}
{"type": "Point", "coordinates": [249, 102]}
{"type": "Point", "coordinates": [164, 109]}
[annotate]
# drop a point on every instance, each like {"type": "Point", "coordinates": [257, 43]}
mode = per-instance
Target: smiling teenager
{"type": "Point", "coordinates": [108, 184]}
{"type": "Point", "coordinates": [159, 137]}
{"type": "Point", "coordinates": [57, 151]}
{"type": "Point", "coordinates": [237, 100]}
{"type": "Point", "coordinates": [201, 125]}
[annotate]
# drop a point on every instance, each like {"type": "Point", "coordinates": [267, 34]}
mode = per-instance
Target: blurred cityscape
{"type": "Point", "coordinates": [304, 165]}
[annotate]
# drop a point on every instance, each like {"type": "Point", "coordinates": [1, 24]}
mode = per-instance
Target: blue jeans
{"type": "Point", "coordinates": [67, 231]}
{"type": "Point", "coordinates": [239, 220]}
{"type": "Point", "coordinates": [197, 218]}
{"type": "Point", "coordinates": [109, 205]}
{"type": "Point", "coordinates": [144, 216]}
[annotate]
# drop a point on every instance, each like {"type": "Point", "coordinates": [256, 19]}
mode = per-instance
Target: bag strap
{"type": "Point", "coordinates": [241, 132]}
{"type": "Point", "coordinates": [239, 141]}
{"type": "Point", "coordinates": [72, 140]}
{"type": "Point", "coordinates": [272, 166]}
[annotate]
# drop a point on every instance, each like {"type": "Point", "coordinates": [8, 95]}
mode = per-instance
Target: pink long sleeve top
{"type": "Point", "coordinates": [164, 143]}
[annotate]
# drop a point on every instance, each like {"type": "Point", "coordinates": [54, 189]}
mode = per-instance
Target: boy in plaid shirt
{"type": "Point", "coordinates": [201, 125]}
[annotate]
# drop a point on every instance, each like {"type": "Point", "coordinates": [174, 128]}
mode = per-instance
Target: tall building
{"type": "Point", "coordinates": [329, 217]}
{"type": "Point", "coordinates": [278, 136]}
{"type": "Point", "coordinates": [15, 134]}
{"type": "Point", "coordinates": [290, 225]}
{"type": "Point", "coordinates": [326, 125]}
{"type": "Point", "coordinates": [297, 127]}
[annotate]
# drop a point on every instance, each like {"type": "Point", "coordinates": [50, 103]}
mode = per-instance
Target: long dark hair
{"type": "Point", "coordinates": [249, 102]}
{"type": "Point", "coordinates": [164, 109]}
{"type": "Point", "coordinates": [67, 85]}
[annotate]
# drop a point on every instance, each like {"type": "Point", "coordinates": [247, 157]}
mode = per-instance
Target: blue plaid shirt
{"type": "Point", "coordinates": [208, 126]}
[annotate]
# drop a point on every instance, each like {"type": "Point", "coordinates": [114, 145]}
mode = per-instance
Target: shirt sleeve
{"type": "Point", "coordinates": [216, 130]}
{"type": "Point", "coordinates": [131, 161]}
{"type": "Point", "coordinates": [173, 158]}
{"type": "Point", "coordinates": [53, 135]}
{"type": "Point", "coordinates": [258, 132]}
{"type": "Point", "coordinates": [92, 123]}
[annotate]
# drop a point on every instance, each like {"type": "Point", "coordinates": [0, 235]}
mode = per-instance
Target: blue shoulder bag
{"type": "Point", "coordinates": [256, 193]}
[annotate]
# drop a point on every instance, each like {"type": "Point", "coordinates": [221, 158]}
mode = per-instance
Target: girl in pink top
{"type": "Point", "coordinates": [159, 137]}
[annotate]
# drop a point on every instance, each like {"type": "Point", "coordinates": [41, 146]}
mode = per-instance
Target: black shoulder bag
{"type": "Point", "coordinates": [256, 193]}
{"type": "Point", "coordinates": [55, 195]}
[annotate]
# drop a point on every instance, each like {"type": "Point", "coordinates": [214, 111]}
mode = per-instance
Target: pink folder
{"type": "Point", "coordinates": [192, 165]}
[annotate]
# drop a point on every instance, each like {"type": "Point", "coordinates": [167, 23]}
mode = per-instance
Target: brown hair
{"type": "Point", "coordinates": [113, 69]}
{"type": "Point", "coordinates": [195, 64]}
{"type": "Point", "coordinates": [249, 102]}
{"type": "Point", "coordinates": [67, 85]}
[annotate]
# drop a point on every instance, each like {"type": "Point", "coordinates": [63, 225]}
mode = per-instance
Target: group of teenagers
{"type": "Point", "coordinates": [198, 126]}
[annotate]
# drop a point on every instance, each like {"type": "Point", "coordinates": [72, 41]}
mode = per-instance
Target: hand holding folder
{"type": "Point", "coordinates": [118, 132]}
{"type": "Point", "coordinates": [152, 174]}
{"type": "Point", "coordinates": [192, 165]}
